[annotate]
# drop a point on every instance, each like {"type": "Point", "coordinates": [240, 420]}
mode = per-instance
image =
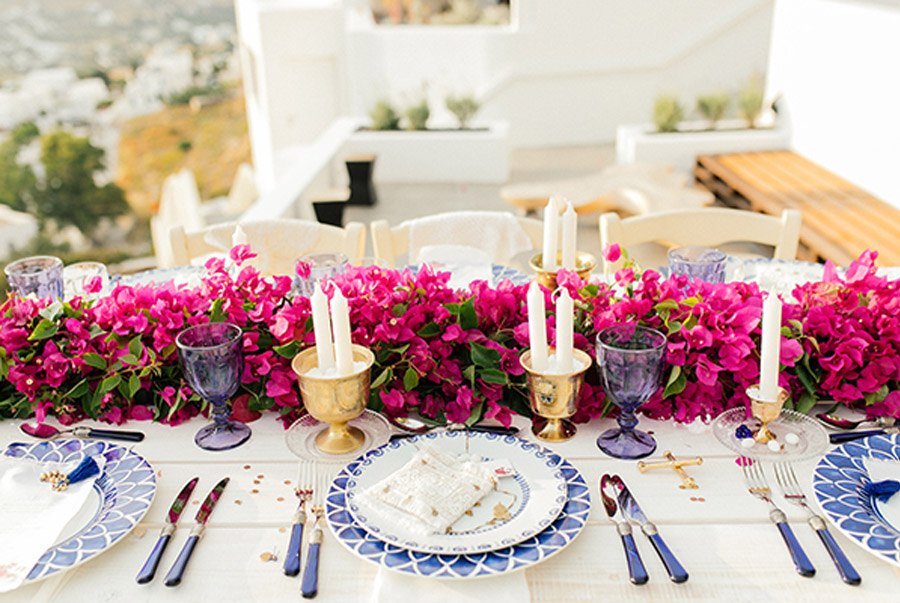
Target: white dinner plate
{"type": "Point", "coordinates": [533, 497]}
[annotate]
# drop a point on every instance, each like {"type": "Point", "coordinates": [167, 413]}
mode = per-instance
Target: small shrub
{"type": "Point", "coordinates": [417, 116]}
{"type": "Point", "coordinates": [667, 113]}
{"type": "Point", "coordinates": [384, 117]}
{"type": "Point", "coordinates": [750, 100]}
{"type": "Point", "coordinates": [185, 145]}
{"type": "Point", "coordinates": [463, 108]}
{"type": "Point", "coordinates": [713, 107]}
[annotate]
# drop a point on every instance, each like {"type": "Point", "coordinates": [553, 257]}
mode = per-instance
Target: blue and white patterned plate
{"type": "Point", "coordinates": [838, 481]}
{"type": "Point", "coordinates": [557, 536]}
{"type": "Point", "coordinates": [533, 497]}
{"type": "Point", "coordinates": [123, 493]}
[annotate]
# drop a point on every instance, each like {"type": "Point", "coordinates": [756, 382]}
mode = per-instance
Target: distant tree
{"type": "Point", "coordinates": [70, 194]}
{"type": "Point", "coordinates": [17, 182]}
{"type": "Point", "coordinates": [24, 133]}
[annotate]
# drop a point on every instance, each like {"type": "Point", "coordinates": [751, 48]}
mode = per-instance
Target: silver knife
{"type": "Point", "coordinates": [149, 570]}
{"type": "Point", "coordinates": [637, 573]}
{"type": "Point", "coordinates": [633, 512]}
{"type": "Point", "coordinates": [173, 578]}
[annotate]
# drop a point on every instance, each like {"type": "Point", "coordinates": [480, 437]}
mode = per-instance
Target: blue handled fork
{"type": "Point", "coordinates": [304, 492]}
{"type": "Point", "coordinates": [759, 487]}
{"type": "Point", "coordinates": [309, 584]}
{"type": "Point", "coordinates": [790, 488]}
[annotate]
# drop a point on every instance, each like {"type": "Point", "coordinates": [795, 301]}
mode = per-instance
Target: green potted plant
{"type": "Point", "coordinates": [667, 113]}
{"type": "Point", "coordinates": [384, 117]}
{"type": "Point", "coordinates": [713, 106]}
{"type": "Point", "coordinates": [750, 100]}
{"type": "Point", "coordinates": [463, 108]}
{"type": "Point", "coordinates": [417, 116]}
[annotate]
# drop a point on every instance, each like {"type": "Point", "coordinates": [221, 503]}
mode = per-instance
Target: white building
{"type": "Point", "coordinates": [167, 69]}
{"type": "Point", "coordinates": [16, 229]}
{"type": "Point", "coordinates": [81, 99]}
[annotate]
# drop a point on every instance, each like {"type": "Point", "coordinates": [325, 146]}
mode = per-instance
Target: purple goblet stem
{"type": "Point", "coordinates": [220, 413]}
{"type": "Point", "coordinates": [627, 419]}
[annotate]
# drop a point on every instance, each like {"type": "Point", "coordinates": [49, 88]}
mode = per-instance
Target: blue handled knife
{"type": "Point", "coordinates": [173, 578]}
{"type": "Point", "coordinates": [633, 512]}
{"type": "Point", "coordinates": [149, 570]}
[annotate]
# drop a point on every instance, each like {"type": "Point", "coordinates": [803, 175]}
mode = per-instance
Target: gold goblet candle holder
{"type": "Point", "coordinates": [766, 411]}
{"type": "Point", "coordinates": [335, 400]}
{"type": "Point", "coordinates": [585, 264]}
{"type": "Point", "coordinates": [554, 398]}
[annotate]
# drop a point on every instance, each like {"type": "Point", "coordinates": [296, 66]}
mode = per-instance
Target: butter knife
{"type": "Point", "coordinates": [632, 510]}
{"type": "Point", "coordinates": [173, 578]}
{"type": "Point", "coordinates": [149, 570]}
{"type": "Point", "coordinates": [849, 436]}
{"type": "Point", "coordinates": [637, 573]}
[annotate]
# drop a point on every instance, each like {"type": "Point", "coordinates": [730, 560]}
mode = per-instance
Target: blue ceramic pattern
{"type": "Point", "coordinates": [559, 534]}
{"type": "Point", "coordinates": [542, 454]}
{"type": "Point", "coordinates": [838, 483]}
{"type": "Point", "coordinates": [126, 486]}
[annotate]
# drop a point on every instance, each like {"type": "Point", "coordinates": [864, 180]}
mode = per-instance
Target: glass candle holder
{"type": "Point", "coordinates": [40, 275]}
{"type": "Point", "coordinates": [704, 263]}
{"type": "Point", "coordinates": [79, 277]}
{"type": "Point", "coordinates": [319, 267]}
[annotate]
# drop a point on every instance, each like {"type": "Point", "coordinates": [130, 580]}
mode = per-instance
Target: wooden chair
{"type": "Point", "coordinates": [278, 243]}
{"type": "Point", "coordinates": [708, 227]}
{"type": "Point", "coordinates": [393, 243]}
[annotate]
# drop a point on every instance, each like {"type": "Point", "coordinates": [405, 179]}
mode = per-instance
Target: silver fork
{"type": "Point", "coordinates": [309, 585]}
{"type": "Point", "coordinates": [303, 492]}
{"type": "Point", "coordinates": [759, 487]}
{"type": "Point", "coordinates": [790, 488]}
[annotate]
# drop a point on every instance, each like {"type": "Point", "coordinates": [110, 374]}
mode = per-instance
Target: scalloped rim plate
{"type": "Point", "coordinates": [539, 489]}
{"type": "Point", "coordinates": [838, 480]}
{"type": "Point", "coordinates": [125, 487]}
{"type": "Point", "coordinates": [540, 547]}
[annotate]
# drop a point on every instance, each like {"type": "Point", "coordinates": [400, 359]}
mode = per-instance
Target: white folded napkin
{"type": "Point", "coordinates": [465, 264]}
{"type": "Point", "coordinates": [391, 587]}
{"type": "Point", "coordinates": [880, 470]}
{"type": "Point", "coordinates": [278, 244]}
{"type": "Point", "coordinates": [430, 492]}
{"type": "Point", "coordinates": [496, 233]}
{"type": "Point", "coordinates": [32, 515]}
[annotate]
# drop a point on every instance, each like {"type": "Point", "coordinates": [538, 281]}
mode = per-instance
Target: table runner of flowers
{"type": "Point", "coordinates": [448, 355]}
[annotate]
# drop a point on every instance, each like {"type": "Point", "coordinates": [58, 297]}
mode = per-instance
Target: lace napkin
{"type": "Point", "coordinates": [433, 490]}
{"type": "Point", "coordinates": [32, 515]}
{"type": "Point", "coordinates": [880, 470]}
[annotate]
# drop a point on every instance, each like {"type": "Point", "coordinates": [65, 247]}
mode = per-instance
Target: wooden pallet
{"type": "Point", "coordinates": [840, 220]}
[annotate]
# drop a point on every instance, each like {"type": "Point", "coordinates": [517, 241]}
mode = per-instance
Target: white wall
{"type": "Point", "coordinates": [569, 71]}
{"type": "Point", "coordinates": [837, 64]}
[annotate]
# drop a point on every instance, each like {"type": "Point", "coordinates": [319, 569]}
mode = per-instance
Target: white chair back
{"type": "Point", "coordinates": [278, 243]}
{"type": "Point", "coordinates": [708, 227]}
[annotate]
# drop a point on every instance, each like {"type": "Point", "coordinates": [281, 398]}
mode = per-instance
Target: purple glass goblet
{"type": "Point", "coordinates": [213, 361]}
{"type": "Point", "coordinates": [630, 358]}
{"type": "Point", "coordinates": [40, 275]}
{"type": "Point", "coordinates": [700, 263]}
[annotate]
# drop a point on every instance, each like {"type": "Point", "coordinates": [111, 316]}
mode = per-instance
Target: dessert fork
{"type": "Point", "coordinates": [759, 487]}
{"type": "Point", "coordinates": [303, 492]}
{"type": "Point", "coordinates": [790, 488]}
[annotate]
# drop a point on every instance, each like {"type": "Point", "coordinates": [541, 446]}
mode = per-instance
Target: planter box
{"type": "Point", "coordinates": [474, 155]}
{"type": "Point", "coordinates": [643, 144]}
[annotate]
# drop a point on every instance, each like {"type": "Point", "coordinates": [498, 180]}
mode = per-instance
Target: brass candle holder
{"type": "Point", "coordinates": [766, 411]}
{"type": "Point", "coordinates": [335, 400]}
{"type": "Point", "coordinates": [554, 398]}
{"type": "Point", "coordinates": [585, 264]}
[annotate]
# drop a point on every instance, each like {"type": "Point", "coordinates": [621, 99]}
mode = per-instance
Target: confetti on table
{"type": "Point", "coordinates": [280, 499]}
{"type": "Point", "coordinates": [238, 502]}
{"type": "Point", "coordinates": [267, 556]}
{"type": "Point", "coordinates": [246, 466]}
{"type": "Point", "coordinates": [254, 491]}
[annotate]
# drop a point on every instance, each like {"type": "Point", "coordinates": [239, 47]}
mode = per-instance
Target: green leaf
{"type": "Point", "coordinates": [494, 376]}
{"type": "Point", "coordinates": [676, 382]}
{"type": "Point", "coordinates": [674, 327]}
{"type": "Point", "coordinates": [400, 350]}
{"type": "Point", "coordinates": [135, 346]}
{"type": "Point", "coordinates": [215, 313]}
{"type": "Point", "coordinates": [410, 379]}
{"type": "Point", "coordinates": [469, 374]}
{"type": "Point", "coordinates": [429, 330]}
{"type": "Point", "coordinates": [453, 309]}
{"type": "Point", "coordinates": [44, 330]}
{"type": "Point", "coordinates": [383, 377]}
{"type": "Point", "coordinates": [288, 350]}
{"type": "Point", "coordinates": [109, 384]}
{"type": "Point", "coordinates": [399, 309]}
{"type": "Point", "coordinates": [80, 389]}
{"type": "Point", "coordinates": [485, 357]}
{"type": "Point", "coordinates": [805, 403]}
{"type": "Point", "coordinates": [134, 385]}
{"type": "Point", "coordinates": [666, 304]}
{"type": "Point", "coordinates": [92, 405]}
{"type": "Point", "coordinates": [129, 359]}
{"type": "Point", "coordinates": [807, 379]}
{"type": "Point", "coordinates": [477, 414]}
{"type": "Point", "coordinates": [468, 319]}
{"type": "Point", "coordinates": [94, 360]}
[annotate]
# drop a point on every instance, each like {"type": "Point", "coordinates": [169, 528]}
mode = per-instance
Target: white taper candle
{"type": "Point", "coordinates": [537, 328]}
{"type": "Point", "coordinates": [569, 230]}
{"type": "Point", "coordinates": [340, 324]}
{"type": "Point", "coordinates": [770, 348]}
{"type": "Point", "coordinates": [551, 235]}
{"type": "Point", "coordinates": [322, 329]}
{"type": "Point", "coordinates": [238, 237]}
{"type": "Point", "coordinates": [565, 332]}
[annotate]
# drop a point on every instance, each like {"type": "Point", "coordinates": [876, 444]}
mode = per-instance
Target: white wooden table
{"type": "Point", "coordinates": [720, 533]}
